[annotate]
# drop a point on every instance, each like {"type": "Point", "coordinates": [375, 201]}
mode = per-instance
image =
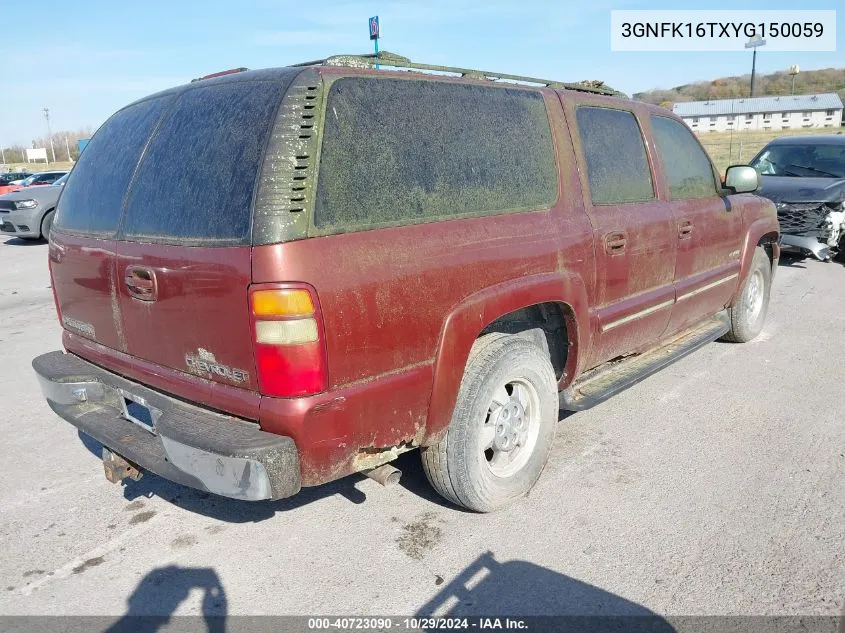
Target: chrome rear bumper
{"type": "Point", "coordinates": [181, 442]}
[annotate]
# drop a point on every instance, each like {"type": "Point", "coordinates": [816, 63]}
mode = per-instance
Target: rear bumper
{"type": "Point", "coordinates": [189, 445]}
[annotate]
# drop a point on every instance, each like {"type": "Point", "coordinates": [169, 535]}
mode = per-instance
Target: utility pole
{"type": "Point", "coordinates": [50, 133]}
{"type": "Point", "coordinates": [793, 70]}
{"type": "Point", "coordinates": [755, 42]}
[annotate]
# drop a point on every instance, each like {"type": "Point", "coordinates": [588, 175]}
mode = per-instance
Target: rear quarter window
{"type": "Point", "coordinates": [400, 151]}
{"type": "Point", "coordinates": [93, 196]}
{"type": "Point", "coordinates": [195, 182]}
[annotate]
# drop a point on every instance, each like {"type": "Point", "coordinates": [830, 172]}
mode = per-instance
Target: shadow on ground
{"type": "Point", "coordinates": [486, 589]}
{"type": "Point", "coordinates": [791, 260]}
{"type": "Point", "coordinates": [156, 598]}
{"type": "Point", "coordinates": [233, 511]}
{"type": "Point", "coordinates": [490, 589]}
{"type": "Point", "coordinates": [16, 241]}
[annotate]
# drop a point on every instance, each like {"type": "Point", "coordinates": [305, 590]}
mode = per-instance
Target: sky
{"type": "Point", "coordinates": [86, 59]}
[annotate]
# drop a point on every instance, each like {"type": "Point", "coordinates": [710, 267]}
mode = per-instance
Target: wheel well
{"type": "Point", "coordinates": [44, 217]}
{"type": "Point", "coordinates": [544, 323]}
{"type": "Point", "coordinates": [766, 242]}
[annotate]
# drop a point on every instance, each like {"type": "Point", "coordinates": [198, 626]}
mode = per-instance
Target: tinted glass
{"type": "Point", "coordinates": [196, 180]}
{"type": "Point", "coordinates": [688, 169]}
{"type": "Point", "coordinates": [805, 160]}
{"type": "Point", "coordinates": [92, 198]}
{"type": "Point", "coordinates": [405, 151]}
{"type": "Point", "coordinates": [614, 151]}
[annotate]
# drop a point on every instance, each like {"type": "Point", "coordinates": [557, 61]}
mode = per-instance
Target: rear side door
{"type": "Point", "coordinates": [635, 238]}
{"type": "Point", "coordinates": [709, 228]}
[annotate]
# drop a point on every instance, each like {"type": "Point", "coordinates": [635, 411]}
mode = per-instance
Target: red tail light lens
{"type": "Point", "coordinates": [290, 350]}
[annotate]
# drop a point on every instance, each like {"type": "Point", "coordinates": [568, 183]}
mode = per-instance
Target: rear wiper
{"type": "Point", "coordinates": [818, 171]}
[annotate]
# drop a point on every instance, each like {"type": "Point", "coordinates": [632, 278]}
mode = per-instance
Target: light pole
{"type": "Point", "coordinates": [50, 133]}
{"type": "Point", "coordinates": [755, 42]}
{"type": "Point", "coordinates": [793, 70]}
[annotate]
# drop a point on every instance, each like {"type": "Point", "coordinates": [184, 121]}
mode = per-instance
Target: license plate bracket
{"type": "Point", "coordinates": [138, 411]}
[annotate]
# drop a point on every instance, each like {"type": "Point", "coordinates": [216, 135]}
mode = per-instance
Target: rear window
{"type": "Point", "coordinates": [402, 151]}
{"type": "Point", "coordinates": [196, 180]}
{"type": "Point", "coordinates": [92, 199]}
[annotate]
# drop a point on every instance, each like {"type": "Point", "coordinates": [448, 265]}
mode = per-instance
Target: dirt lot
{"type": "Point", "coordinates": [715, 487]}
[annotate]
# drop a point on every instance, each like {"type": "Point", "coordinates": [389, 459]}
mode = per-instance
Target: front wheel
{"type": "Point", "coordinates": [748, 313]}
{"type": "Point", "coordinates": [502, 427]}
{"type": "Point", "coordinates": [47, 224]}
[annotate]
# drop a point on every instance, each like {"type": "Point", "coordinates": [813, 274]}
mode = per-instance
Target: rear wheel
{"type": "Point", "coordinates": [502, 427]}
{"type": "Point", "coordinates": [748, 313]}
{"type": "Point", "coordinates": [47, 224]}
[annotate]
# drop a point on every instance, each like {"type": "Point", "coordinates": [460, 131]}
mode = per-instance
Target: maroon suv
{"type": "Point", "coordinates": [275, 278]}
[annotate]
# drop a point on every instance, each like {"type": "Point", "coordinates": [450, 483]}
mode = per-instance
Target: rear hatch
{"type": "Point", "coordinates": [150, 252]}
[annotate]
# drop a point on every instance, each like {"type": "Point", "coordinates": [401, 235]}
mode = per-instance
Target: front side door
{"type": "Point", "coordinates": [634, 232]}
{"type": "Point", "coordinates": [709, 228]}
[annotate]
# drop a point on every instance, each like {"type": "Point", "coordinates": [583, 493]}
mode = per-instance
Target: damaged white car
{"type": "Point", "coordinates": [805, 177]}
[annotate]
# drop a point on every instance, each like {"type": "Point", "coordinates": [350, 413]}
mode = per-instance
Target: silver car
{"type": "Point", "coordinates": [28, 212]}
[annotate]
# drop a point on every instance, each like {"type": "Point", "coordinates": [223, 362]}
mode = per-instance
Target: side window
{"type": "Point", "coordinates": [614, 151]}
{"type": "Point", "coordinates": [401, 151]}
{"type": "Point", "coordinates": [93, 196]}
{"type": "Point", "coordinates": [688, 169]}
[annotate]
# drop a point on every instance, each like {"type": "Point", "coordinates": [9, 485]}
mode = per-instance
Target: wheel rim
{"type": "Point", "coordinates": [511, 427]}
{"type": "Point", "coordinates": [754, 295]}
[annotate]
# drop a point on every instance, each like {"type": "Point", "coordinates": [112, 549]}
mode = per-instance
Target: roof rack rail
{"type": "Point", "coordinates": [222, 73]}
{"type": "Point", "coordinates": [385, 58]}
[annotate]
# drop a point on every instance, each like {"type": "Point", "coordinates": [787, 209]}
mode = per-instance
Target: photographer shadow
{"type": "Point", "coordinates": [154, 602]}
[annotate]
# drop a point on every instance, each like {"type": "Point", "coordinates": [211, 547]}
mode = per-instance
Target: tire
{"type": "Point", "coordinates": [47, 224]}
{"type": "Point", "coordinates": [748, 313]}
{"type": "Point", "coordinates": [502, 428]}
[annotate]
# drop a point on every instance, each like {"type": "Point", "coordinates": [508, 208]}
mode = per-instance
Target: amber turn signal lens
{"type": "Point", "coordinates": [291, 302]}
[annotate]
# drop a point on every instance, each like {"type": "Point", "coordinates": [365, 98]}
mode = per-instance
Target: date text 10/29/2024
{"type": "Point", "coordinates": [415, 624]}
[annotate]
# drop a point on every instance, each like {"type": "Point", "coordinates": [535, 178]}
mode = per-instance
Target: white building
{"type": "Point", "coordinates": [762, 113]}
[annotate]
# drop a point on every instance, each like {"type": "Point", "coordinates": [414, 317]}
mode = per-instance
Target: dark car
{"type": "Point", "coordinates": [7, 179]}
{"type": "Point", "coordinates": [275, 278]}
{"type": "Point", "coordinates": [41, 179]}
{"type": "Point", "coordinates": [805, 177]}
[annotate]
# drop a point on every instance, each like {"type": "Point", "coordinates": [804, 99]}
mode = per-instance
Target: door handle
{"type": "Point", "coordinates": [141, 283]}
{"type": "Point", "coordinates": [614, 243]}
{"type": "Point", "coordinates": [685, 228]}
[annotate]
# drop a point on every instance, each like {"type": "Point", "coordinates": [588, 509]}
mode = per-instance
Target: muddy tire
{"type": "Point", "coordinates": [47, 224]}
{"type": "Point", "coordinates": [502, 427]}
{"type": "Point", "coordinates": [748, 313]}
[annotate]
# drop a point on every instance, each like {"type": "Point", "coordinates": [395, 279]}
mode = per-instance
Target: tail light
{"type": "Point", "coordinates": [290, 350]}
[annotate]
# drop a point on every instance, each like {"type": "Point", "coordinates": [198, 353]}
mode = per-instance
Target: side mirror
{"type": "Point", "coordinates": [741, 179]}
